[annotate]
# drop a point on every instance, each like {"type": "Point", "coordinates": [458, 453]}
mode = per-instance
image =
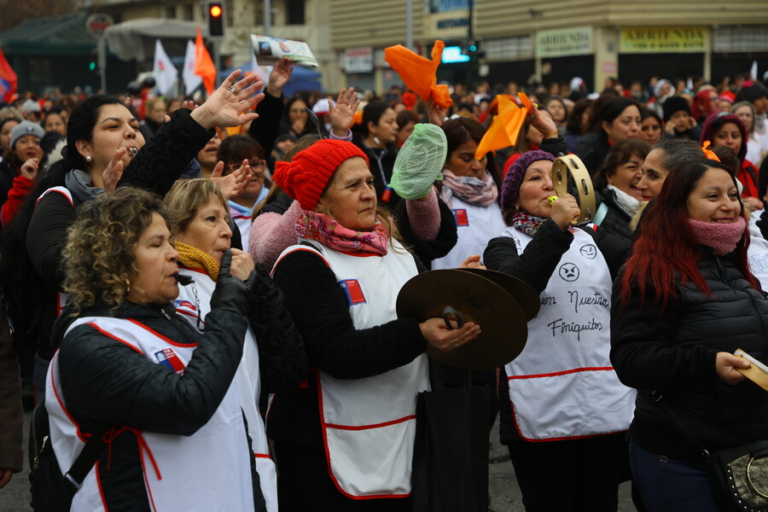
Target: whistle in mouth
{"type": "Point", "coordinates": [552, 199]}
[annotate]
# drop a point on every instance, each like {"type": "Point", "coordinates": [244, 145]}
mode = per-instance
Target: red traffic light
{"type": "Point", "coordinates": [216, 19]}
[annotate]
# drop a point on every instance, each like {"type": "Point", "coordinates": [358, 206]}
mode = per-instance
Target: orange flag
{"type": "Point", "coordinates": [504, 129]}
{"type": "Point", "coordinates": [204, 67]}
{"type": "Point", "coordinates": [418, 73]}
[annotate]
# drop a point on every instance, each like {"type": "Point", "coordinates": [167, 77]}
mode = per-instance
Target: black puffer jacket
{"type": "Point", "coordinates": [592, 149]}
{"type": "Point", "coordinates": [673, 350]}
{"type": "Point", "coordinates": [106, 381]}
{"type": "Point", "coordinates": [616, 220]}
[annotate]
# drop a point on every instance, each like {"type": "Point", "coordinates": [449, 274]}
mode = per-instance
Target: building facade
{"type": "Point", "coordinates": [555, 40]}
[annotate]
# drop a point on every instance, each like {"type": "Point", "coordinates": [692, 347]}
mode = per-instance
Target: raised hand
{"type": "Point", "coordinates": [279, 76]}
{"type": "Point", "coordinates": [436, 113]}
{"type": "Point", "coordinates": [233, 183]}
{"type": "Point", "coordinates": [242, 264]}
{"type": "Point", "coordinates": [230, 103]}
{"type": "Point", "coordinates": [30, 167]}
{"type": "Point", "coordinates": [544, 124]}
{"type": "Point", "coordinates": [113, 171]}
{"type": "Point", "coordinates": [343, 112]}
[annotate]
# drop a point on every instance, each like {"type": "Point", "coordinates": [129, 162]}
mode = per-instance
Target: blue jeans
{"type": "Point", "coordinates": [671, 485]}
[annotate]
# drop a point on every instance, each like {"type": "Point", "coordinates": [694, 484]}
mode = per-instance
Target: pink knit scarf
{"type": "Point", "coordinates": [477, 192]}
{"type": "Point", "coordinates": [721, 237]}
{"type": "Point", "coordinates": [327, 231]}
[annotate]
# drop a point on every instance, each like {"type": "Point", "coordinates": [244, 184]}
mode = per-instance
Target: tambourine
{"type": "Point", "coordinates": [573, 166]}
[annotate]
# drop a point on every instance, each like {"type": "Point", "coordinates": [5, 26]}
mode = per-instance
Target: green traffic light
{"type": "Point", "coordinates": [92, 66]}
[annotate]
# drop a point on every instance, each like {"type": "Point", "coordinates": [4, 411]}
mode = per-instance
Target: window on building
{"type": "Point", "coordinates": [170, 12]}
{"type": "Point", "coordinates": [295, 12]}
{"type": "Point", "coordinates": [449, 5]}
{"type": "Point", "coordinates": [189, 12]}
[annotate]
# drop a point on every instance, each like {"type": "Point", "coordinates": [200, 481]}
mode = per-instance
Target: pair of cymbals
{"type": "Point", "coordinates": [499, 303]}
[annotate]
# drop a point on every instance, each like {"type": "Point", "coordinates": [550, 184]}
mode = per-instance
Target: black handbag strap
{"type": "Point", "coordinates": [681, 425]}
{"type": "Point", "coordinates": [90, 454]}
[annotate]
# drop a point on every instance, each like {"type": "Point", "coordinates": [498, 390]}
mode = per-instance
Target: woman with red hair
{"type": "Point", "coordinates": [685, 301]}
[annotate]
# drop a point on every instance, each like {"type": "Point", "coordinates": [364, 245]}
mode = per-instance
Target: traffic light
{"type": "Point", "coordinates": [215, 19]}
{"type": "Point", "coordinates": [472, 49]}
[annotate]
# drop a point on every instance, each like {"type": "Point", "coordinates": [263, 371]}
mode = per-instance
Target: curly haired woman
{"type": "Point", "coordinates": [131, 367]}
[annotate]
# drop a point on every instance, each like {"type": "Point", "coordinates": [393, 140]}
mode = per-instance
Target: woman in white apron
{"type": "Point", "coordinates": [344, 439]}
{"type": "Point", "coordinates": [128, 365]}
{"type": "Point", "coordinates": [273, 354]}
{"type": "Point", "coordinates": [564, 413]}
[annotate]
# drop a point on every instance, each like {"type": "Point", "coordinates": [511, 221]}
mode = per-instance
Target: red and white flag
{"type": "Point", "coordinates": [164, 70]}
{"type": "Point", "coordinates": [191, 80]}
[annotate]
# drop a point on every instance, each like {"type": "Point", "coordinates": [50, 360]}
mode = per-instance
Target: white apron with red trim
{"type": "Point", "coordinates": [247, 378]}
{"type": "Point", "coordinates": [243, 223]}
{"type": "Point", "coordinates": [207, 471]}
{"type": "Point", "coordinates": [61, 297]}
{"type": "Point", "coordinates": [369, 424]}
{"type": "Point", "coordinates": [563, 385]}
{"type": "Point", "coordinates": [475, 226]}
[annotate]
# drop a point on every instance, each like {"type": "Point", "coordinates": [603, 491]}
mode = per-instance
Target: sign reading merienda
{"type": "Point", "coordinates": [664, 40]}
{"type": "Point", "coordinates": [559, 43]}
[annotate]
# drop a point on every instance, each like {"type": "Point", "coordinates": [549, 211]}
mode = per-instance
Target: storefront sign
{"type": "Point", "coordinates": [452, 23]}
{"type": "Point", "coordinates": [358, 60]}
{"type": "Point", "coordinates": [559, 43]}
{"type": "Point", "coordinates": [664, 40]}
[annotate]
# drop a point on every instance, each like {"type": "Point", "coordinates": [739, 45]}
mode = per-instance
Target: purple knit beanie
{"type": "Point", "coordinates": [511, 186]}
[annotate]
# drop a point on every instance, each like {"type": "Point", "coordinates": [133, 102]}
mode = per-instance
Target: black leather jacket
{"type": "Point", "coordinates": [106, 381]}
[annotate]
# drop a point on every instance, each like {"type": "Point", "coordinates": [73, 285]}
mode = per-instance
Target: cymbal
{"type": "Point", "coordinates": [521, 291]}
{"type": "Point", "coordinates": [477, 299]}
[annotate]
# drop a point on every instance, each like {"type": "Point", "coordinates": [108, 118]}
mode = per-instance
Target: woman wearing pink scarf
{"type": "Point", "coordinates": [344, 439]}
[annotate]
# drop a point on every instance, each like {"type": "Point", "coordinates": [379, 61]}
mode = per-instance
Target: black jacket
{"type": "Point", "coordinates": [155, 168]}
{"type": "Point", "coordinates": [592, 149]}
{"type": "Point", "coordinates": [616, 220]}
{"type": "Point", "coordinates": [672, 350]}
{"type": "Point", "coordinates": [321, 314]}
{"type": "Point", "coordinates": [428, 250]}
{"type": "Point", "coordinates": [104, 381]}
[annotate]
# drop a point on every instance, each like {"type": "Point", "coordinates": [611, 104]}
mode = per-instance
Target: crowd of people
{"type": "Point", "coordinates": [202, 298]}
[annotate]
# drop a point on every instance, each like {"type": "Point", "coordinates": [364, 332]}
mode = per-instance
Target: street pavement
{"type": "Point", "coordinates": [505, 494]}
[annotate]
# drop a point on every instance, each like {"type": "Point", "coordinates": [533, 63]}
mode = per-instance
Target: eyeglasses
{"type": "Point", "coordinates": [257, 166]}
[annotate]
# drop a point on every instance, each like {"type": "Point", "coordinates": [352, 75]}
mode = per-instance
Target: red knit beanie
{"type": "Point", "coordinates": [305, 178]}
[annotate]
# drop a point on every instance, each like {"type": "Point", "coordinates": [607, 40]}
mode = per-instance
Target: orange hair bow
{"type": "Point", "coordinates": [711, 155]}
{"type": "Point", "coordinates": [419, 73]}
{"type": "Point", "coordinates": [505, 128]}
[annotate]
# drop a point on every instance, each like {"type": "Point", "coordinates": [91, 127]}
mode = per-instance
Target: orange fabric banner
{"type": "Point", "coordinates": [419, 73]}
{"type": "Point", "coordinates": [204, 67]}
{"type": "Point", "coordinates": [504, 129]}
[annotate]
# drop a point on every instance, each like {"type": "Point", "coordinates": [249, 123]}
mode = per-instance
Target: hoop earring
{"type": "Point", "coordinates": [89, 159]}
{"type": "Point", "coordinates": [127, 286]}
